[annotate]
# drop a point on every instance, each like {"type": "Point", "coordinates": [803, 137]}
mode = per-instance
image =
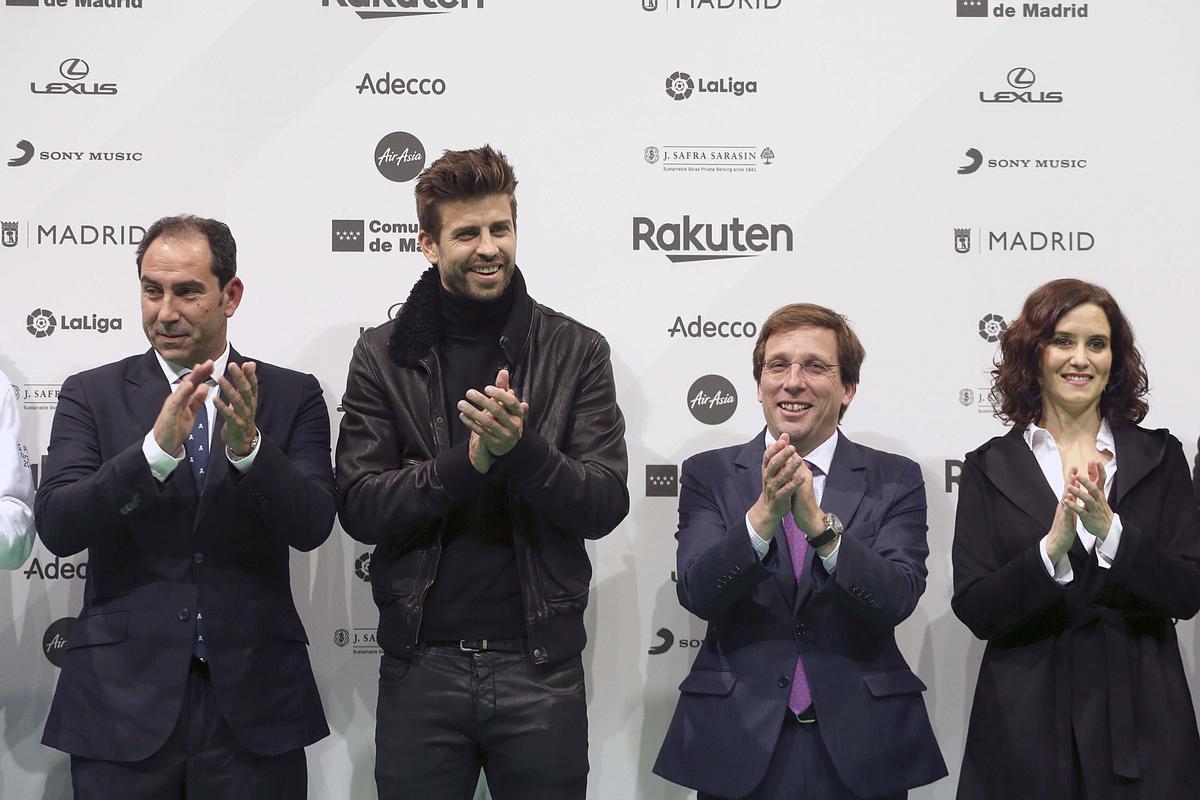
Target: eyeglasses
{"type": "Point", "coordinates": [811, 368]}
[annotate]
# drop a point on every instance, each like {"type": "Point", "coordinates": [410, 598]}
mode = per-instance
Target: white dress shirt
{"type": "Point", "coordinates": [162, 464]}
{"type": "Point", "coordinates": [16, 484]}
{"type": "Point", "coordinates": [1045, 450]}
{"type": "Point", "coordinates": [821, 457]}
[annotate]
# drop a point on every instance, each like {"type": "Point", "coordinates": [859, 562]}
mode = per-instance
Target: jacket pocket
{"type": "Point", "coordinates": [106, 627]}
{"type": "Point", "coordinates": [707, 681]}
{"type": "Point", "coordinates": [898, 681]}
{"type": "Point", "coordinates": [281, 623]}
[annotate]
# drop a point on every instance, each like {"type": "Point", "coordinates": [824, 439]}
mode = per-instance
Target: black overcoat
{"type": "Point", "coordinates": [1097, 659]}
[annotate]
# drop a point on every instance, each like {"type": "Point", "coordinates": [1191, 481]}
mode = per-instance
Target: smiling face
{"type": "Point", "coordinates": [1076, 362]}
{"type": "Point", "coordinates": [184, 309]}
{"type": "Point", "coordinates": [806, 408]}
{"type": "Point", "coordinates": [476, 251]}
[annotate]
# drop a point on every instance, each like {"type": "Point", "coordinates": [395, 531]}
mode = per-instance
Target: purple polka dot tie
{"type": "Point", "coordinates": [801, 695]}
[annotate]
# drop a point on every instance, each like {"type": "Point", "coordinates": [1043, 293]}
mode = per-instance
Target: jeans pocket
{"type": "Point", "coordinates": [561, 677]}
{"type": "Point", "coordinates": [392, 671]}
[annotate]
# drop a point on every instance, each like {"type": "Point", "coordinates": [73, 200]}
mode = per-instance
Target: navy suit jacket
{"type": "Point", "coordinates": [157, 551]}
{"type": "Point", "coordinates": [872, 717]}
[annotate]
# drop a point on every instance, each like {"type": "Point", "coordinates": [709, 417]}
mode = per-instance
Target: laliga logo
{"type": "Point", "coordinates": [680, 86]}
{"type": "Point", "coordinates": [41, 323]}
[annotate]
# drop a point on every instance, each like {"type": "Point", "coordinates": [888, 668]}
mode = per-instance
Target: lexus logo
{"type": "Point", "coordinates": [74, 69]}
{"type": "Point", "coordinates": [1021, 77]}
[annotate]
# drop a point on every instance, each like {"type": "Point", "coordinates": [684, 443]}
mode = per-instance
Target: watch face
{"type": "Point", "coordinates": [832, 523]}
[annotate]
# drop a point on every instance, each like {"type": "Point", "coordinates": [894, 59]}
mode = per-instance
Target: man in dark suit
{"type": "Point", "coordinates": [803, 551]}
{"type": "Point", "coordinates": [187, 672]}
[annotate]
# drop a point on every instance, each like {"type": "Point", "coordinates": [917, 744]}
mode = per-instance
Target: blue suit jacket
{"type": "Point", "coordinates": [871, 714]}
{"type": "Point", "coordinates": [157, 551]}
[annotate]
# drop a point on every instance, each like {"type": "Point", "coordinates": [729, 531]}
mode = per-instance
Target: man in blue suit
{"type": "Point", "coordinates": [803, 551]}
{"type": "Point", "coordinates": [187, 672]}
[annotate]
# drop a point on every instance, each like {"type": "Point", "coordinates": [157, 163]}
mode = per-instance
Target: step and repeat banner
{"type": "Point", "coordinates": [685, 167]}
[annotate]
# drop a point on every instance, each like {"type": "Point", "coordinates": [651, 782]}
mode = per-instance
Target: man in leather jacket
{"type": "Point", "coordinates": [481, 446]}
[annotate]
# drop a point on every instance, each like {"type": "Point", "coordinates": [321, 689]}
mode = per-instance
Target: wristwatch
{"type": "Point", "coordinates": [234, 457]}
{"type": "Point", "coordinates": [833, 529]}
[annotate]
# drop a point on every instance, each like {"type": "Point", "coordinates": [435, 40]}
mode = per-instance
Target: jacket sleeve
{"type": "Point", "coordinates": [82, 499]}
{"type": "Point", "coordinates": [716, 564]}
{"type": "Point", "coordinates": [386, 498]}
{"type": "Point", "coordinates": [1157, 573]}
{"type": "Point", "coordinates": [579, 488]}
{"type": "Point", "coordinates": [292, 491]}
{"type": "Point", "coordinates": [994, 596]}
{"type": "Point", "coordinates": [884, 574]}
{"type": "Point", "coordinates": [16, 486]}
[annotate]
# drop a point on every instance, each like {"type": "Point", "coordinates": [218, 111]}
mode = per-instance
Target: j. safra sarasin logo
{"type": "Point", "coordinates": [681, 85]}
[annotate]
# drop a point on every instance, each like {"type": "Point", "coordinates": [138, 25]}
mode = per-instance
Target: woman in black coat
{"type": "Point", "coordinates": [1076, 550]}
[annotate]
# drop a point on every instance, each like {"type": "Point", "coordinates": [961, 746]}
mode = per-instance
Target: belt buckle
{"type": "Point", "coordinates": [462, 645]}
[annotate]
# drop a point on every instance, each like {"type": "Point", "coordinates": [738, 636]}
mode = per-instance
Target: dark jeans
{"type": "Point", "coordinates": [200, 759]}
{"type": "Point", "coordinates": [446, 714]}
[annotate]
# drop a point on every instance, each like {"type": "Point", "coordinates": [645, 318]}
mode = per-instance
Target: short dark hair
{"type": "Point", "coordinates": [1016, 386]}
{"type": "Point", "coordinates": [850, 352]}
{"type": "Point", "coordinates": [463, 175]}
{"type": "Point", "coordinates": [217, 233]}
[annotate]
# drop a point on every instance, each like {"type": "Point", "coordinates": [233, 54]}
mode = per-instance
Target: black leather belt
{"type": "Point", "coordinates": [485, 645]}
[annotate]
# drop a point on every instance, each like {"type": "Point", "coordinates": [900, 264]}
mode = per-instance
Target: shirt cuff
{"type": "Point", "coordinates": [1061, 572]}
{"type": "Point", "coordinates": [761, 546]}
{"type": "Point", "coordinates": [829, 562]}
{"type": "Point", "coordinates": [244, 463]}
{"type": "Point", "coordinates": [162, 464]}
{"type": "Point", "coordinates": [1106, 552]}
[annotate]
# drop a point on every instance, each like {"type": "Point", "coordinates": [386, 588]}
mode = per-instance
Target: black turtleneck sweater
{"type": "Point", "coordinates": [477, 592]}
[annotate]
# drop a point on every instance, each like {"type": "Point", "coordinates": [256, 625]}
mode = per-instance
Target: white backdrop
{"type": "Point", "coordinates": [251, 112]}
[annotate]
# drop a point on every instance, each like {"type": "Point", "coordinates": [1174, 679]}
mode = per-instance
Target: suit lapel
{"type": "Point", "coordinates": [1137, 455]}
{"type": "Point", "coordinates": [845, 486]}
{"type": "Point", "coordinates": [146, 390]}
{"type": "Point", "coordinates": [1009, 466]}
{"type": "Point", "coordinates": [749, 486]}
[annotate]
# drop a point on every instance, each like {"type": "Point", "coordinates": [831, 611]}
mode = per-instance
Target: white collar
{"type": "Point", "coordinates": [1035, 434]}
{"type": "Point", "coordinates": [174, 372]}
{"type": "Point", "coordinates": [821, 456]}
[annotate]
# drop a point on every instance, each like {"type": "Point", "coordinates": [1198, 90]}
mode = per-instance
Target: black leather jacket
{"type": "Point", "coordinates": [398, 477]}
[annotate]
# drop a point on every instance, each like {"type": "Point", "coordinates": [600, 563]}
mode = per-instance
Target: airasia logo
{"type": "Point", "coordinates": [712, 399]}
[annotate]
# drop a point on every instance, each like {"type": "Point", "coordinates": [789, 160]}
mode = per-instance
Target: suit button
{"type": "Point", "coordinates": [198, 558]}
{"type": "Point", "coordinates": [184, 615]}
{"type": "Point", "coordinates": [800, 629]}
{"type": "Point", "coordinates": [784, 681]}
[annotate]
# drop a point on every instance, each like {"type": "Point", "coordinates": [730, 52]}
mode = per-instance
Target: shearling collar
{"type": "Point", "coordinates": [419, 324]}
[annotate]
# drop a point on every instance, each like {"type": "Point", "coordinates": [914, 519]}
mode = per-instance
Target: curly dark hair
{"type": "Point", "coordinates": [220, 242]}
{"type": "Point", "coordinates": [1016, 388]}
